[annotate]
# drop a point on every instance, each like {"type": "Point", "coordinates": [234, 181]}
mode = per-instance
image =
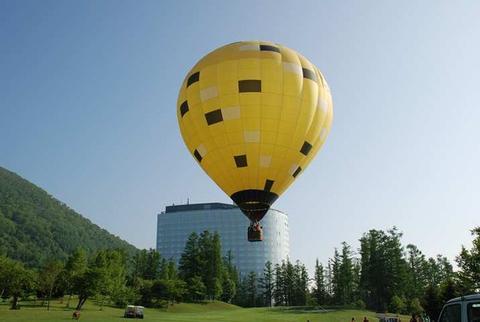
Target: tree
{"type": "Point", "coordinates": [229, 279]}
{"type": "Point", "coordinates": [212, 263]}
{"type": "Point", "coordinates": [190, 264]}
{"type": "Point", "coordinates": [251, 289]}
{"type": "Point", "coordinates": [384, 270]}
{"type": "Point", "coordinates": [267, 283]}
{"type": "Point", "coordinates": [87, 285]}
{"type": "Point", "coordinates": [449, 290]}
{"type": "Point", "coordinates": [75, 267]}
{"type": "Point", "coordinates": [414, 306]}
{"type": "Point", "coordinates": [301, 284]}
{"type": "Point", "coordinates": [469, 264]}
{"type": "Point", "coordinates": [147, 264]}
{"type": "Point", "coordinates": [345, 279]}
{"type": "Point", "coordinates": [432, 302]}
{"type": "Point", "coordinates": [111, 268]}
{"type": "Point", "coordinates": [279, 286]}
{"type": "Point", "coordinates": [48, 278]}
{"type": "Point", "coordinates": [337, 289]}
{"type": "Point", "coordinates": [417, 272]}
{"type": "Point", "coordinates": [16, 280]}
{"type": "Point", "coordinates": [105, 276]}
{"type": "Point", "coordinates": [196, 290]}
{"type": "Point", "coordinates": [397, 304]}
{"type": "Point", "coordinates": [319, 292]}
{"type": "Point", "coordinates": [168, 290]}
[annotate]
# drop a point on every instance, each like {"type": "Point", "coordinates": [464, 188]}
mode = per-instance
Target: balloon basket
{"type": "Point", "coordinates": [255, 234]}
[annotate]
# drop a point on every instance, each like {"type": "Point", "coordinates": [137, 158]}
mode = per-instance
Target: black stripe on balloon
{"type": "Point", "coordinates": [268, 185]}
{"type": "Point", "coordinates": [195, 77]}
{"type": "Point", "coordinates": [306, 147]}
{"type": "Point", "coordinates": [297, 172]}
{"type": "Point", "coordinates": [183, 108]}
{"type": "Point", "coordinates": [197, 155]}
{"type": "Point", "coordinates": [240, 160]}
{"type": "Point", "coordinates": [214, 117]}
{"type": "Point", "coordinates": [249, 85]}
{"type": "Point", "coordinates": [269, 48]}
{"type": "Point", "coordinates": [310, 74]}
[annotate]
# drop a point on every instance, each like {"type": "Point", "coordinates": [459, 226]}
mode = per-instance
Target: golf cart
{"type": "Point", "coordinates": [134, 312]}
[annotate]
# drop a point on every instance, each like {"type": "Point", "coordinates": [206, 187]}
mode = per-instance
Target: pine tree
{"type": "Point", "coordinates": [278, 290]}
{"type": "Point", "coordinates": [267, 283]}
{"type": "Point", "coordinates": [230, 279]}
{"type": "Point", "coordinates": [336, 279]}
{"type": "Point", "coordinates": [190, 264]}
{"type": "Point", "coordinates": [432, 302]}
{"type": "Point", "coordinates": [251, 287]}
{"type": "Point", "coordinates": [319, 290]}
{"type": "Point", "coordinates": [212, 264]}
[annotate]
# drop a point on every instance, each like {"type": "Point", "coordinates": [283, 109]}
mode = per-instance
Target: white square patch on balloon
{"type": "Point", "coordinates": [251, 136]}
{"type": "Point", "coordinates": [265, 161]}
{"type": "Point", "coordinates": [208, 93]}
{"type": "Point", "coordinates": [231, 113]}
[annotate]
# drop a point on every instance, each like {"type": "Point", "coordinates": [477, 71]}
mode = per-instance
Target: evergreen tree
{"type": "Point", "coordinates": [336, 282]}
{"type": "Point", "coordinates": [196, 290]}
{"type": "Point", "coordinates": [449, 290]}
{"type": "Point", "coordinates": [383, 268]}
{"type": "Point", "coordinates": [319, 290]}
{"type": "Point", "coordinates": [267, 283]}
{"type": "Point", "coordinates": [345, 279]}
{"type": "Point", "coordinates": [190, 264]}
{"type": "Point", "coordinates": [417, 272]}
{"type": "Point", "coordinates": [230, 279]}
{"type": "Point", "coordinates": [147, 264]}
{"type": "Point", "coordinates": [211, 258]}
{"type": "Point", "coordinates": [432, 302]}
{"type": "Point", "coordinates": [153, 265]}
{"type": "Point", "coordinates": [300, 285]}
{"type": "Point", "coordinates": [278, 291]}
{"type": "Point", "coordinates": [251, 289]}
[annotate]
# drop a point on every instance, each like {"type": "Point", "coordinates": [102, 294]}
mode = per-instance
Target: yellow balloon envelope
{"type": "Point", "coordinates": [254, 114]}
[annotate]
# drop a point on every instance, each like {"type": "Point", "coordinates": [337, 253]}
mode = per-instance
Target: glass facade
{"type": "Point", "coordinates": [178, 222]}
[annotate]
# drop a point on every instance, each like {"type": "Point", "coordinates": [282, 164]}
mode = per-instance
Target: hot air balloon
{"type": "Point", "coordinates": [254, 114]}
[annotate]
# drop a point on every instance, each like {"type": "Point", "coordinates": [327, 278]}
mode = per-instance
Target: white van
{"type": "Point", "coordinates": [461, 309]}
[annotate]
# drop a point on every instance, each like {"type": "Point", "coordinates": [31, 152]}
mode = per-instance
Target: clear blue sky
{"type": "Point", "coordinates": [87, 111]}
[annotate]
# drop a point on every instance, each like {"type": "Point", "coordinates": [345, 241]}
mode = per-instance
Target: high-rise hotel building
{"type": "Point", "coordinates": [177, 222]}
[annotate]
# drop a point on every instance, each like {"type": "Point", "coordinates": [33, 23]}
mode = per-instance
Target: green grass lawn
{"type": "Point", "coordinates": [184, 312]}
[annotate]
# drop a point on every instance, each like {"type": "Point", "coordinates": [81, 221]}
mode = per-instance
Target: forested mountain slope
{"type": "Point", "coordinates": [34, 226]}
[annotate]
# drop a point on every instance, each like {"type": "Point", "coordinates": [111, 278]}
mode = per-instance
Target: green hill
{"type": "Point", "coordinates": [34, 226]}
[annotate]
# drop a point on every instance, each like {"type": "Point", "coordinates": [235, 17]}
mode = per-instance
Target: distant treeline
{"type": "Point", "coordinates": [384, 276]}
